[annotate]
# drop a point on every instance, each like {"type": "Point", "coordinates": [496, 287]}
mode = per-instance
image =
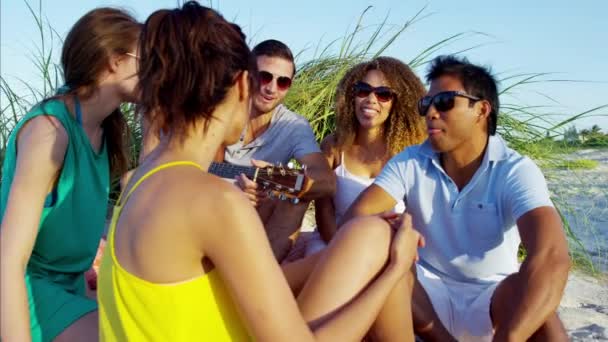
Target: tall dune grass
{"type": "Point", "coordinates": [313, 89]}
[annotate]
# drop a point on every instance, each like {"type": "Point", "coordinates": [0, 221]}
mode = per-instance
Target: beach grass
{"type": "Point", "coordinates": [525, 127]}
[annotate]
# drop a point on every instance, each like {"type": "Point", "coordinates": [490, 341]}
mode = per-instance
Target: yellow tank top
{"type": "Point", "coordinates": [133, 309]}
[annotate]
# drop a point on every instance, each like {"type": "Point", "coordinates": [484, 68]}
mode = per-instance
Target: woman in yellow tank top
{"type": "Point", "coordinates": [187, 257]}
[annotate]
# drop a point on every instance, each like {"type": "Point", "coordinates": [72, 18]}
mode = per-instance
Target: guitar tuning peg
{"type": "Point", "coordinates": [271, 195]}
{"type": "Point", "coordinates": [282, 197]}
{"type": "Point", "coordinates": [295, 200]}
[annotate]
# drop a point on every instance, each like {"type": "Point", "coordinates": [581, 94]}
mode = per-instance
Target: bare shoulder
{"type": "Point", "coordinates": [43, 136]}
{"type": "Point", "coordinates": [329, 146]}
{"type": "Point", "coordinates": [216, 196]}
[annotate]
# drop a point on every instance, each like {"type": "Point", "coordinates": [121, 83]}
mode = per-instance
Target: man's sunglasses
{"type": "Point", "coordinates": [383, 94]}
{"type": "Point", "coordinates": [443, 101]}
{"type": "Point", "coordinates": [283, 82]}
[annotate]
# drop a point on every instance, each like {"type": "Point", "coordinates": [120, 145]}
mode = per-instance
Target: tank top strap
{"type": "Point", "coordinates": [342, 166]}
{"type": "Point", "coordinates": [153, 171]}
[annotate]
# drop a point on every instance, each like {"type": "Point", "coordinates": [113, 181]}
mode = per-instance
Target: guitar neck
{"type": "Point", "coordinates": [226, 170]}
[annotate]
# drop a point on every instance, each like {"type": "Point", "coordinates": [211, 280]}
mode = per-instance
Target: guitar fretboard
{"type": "Point", "coordinates": [226, 170]}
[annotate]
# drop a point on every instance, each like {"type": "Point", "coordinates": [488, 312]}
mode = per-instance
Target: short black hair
{"type": "Point", "coordinates": [274, 48]}
{"type": "Point", "coordinates": [476, 80]}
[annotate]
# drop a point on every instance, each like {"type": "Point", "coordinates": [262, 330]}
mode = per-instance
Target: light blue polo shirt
{"type": "Point", "coordinates": [471, 235]}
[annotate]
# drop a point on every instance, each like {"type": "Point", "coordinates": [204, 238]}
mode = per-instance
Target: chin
{"type": "Point", "coordinates": [263, 107]}
{"type": "Point", "coordinates": [438, 145]}
{"type": "Point", "coordinates": [365, 123]}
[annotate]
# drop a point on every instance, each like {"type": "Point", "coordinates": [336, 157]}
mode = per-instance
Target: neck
{"type": "Point", "coordinates": [462, 163]}
{"type": "Point", "coordinates": [255, 113]}
{"type": "Point", "coordinates": [195, 146]}
{"type": "Point", "coordinates": [98, 107]}
{"type": "Point", "coordinates": [370, 138]}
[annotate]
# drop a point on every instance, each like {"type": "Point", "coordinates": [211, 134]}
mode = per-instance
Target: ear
{"type": "Point", "coordinates": [243, 83]}
{"type": "Point", "coordinates": [114, 62]}
{"type": "Point", "coordinates": [484, 109]}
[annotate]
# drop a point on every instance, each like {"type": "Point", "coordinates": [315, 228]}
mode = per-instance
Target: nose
{"type": "Point", "coordinates": [432, 113]}
{"type": "Point", "coordinates": [371, 98]}
{"type": "Point", "coordinates": [272, 86]}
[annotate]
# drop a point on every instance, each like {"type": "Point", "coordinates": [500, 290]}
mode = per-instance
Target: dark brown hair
{"type": "Point", "coordinates": [476, 80]}
{"type": "Point", "coordinates": [189, 59]}
{"type": "Point", "coordinates": [274, 48]}
{"type": "Point", "coordinates": [87, 49]}
{"type": "Point", "coordinates": [404, 126]}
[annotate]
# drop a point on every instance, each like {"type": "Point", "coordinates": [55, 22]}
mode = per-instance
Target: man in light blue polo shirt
{"type": "Point", "coordinates": [474, 200]}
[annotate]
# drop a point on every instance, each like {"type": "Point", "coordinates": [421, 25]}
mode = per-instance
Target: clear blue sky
{"type": "Point", "coordinates": [523, 36]}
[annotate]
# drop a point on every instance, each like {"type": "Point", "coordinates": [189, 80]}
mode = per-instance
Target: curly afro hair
{"type": "Point", "coordinates": [404, 126]}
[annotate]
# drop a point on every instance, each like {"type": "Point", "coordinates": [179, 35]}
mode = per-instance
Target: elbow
{"type": "Point", "coordinates": [552, 265]}
{"type": "Point", "coordinates": [562, 265]}
{"type": "Point", "coordinates": [557, 264]}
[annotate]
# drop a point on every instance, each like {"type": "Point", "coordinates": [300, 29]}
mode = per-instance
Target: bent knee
{"type": "Point", "coordinates": [372, 233]}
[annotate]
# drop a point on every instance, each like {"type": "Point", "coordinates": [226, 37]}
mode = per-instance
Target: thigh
{"type": "Point", "coordinates": [438, 294]}
{"type": "Point", "coordinates": [53, 308]}
{"type": "Point", "coordinates": [86, 328]}
{"type": "Point", "coordinates": [353, 259]}
{"type": "Point", "coordinates": [472, 304]}
{"type": "Point", "coordinates": [297, 272]}
{"type": "Point", "coordinates": [501, 306]}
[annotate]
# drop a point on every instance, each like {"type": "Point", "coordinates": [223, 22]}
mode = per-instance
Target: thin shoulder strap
{"type": "Point", "coordinates": [153, 171]}
{"type": "Point", "coordinates": [342, 166]}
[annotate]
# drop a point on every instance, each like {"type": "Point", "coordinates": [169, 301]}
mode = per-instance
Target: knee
{"type": "Point", "coordinates": [372, 235]}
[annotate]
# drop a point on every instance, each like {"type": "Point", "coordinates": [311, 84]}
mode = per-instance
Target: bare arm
{"type": "Point", "coordinates": [325, 211]}
{"type": "Point", "coordinates": [325, 216]}
{"type": "Point", "coordinates": [322, 179]}
{"type": "Point", "coordinates": [373, 200]}
{"type": "Point", "coordinates": [41, 146]}
{"type": "Point", "coordinates": [242, 254]}
{"type": "Point", "coordinates": [543, 275]}
{"type": "Point", "coordinates": [261, 291]}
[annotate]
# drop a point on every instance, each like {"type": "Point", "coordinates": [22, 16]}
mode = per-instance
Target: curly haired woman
{"type": "Point", "coordinates": [376, 118]}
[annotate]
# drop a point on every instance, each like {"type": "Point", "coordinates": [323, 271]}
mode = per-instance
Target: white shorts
{"type": "Point", "coordinates": [463, 308]}
{"type": "Point", "coordinates": [315, 243]}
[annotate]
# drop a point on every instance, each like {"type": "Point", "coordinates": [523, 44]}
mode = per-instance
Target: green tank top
{"type": "Point", "coordinates": [74, 214]}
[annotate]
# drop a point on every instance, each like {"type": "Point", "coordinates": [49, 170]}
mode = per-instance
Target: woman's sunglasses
{"type": "Point", "coordinates": [383, 94]}
{"type": "Point", "coordinates": [283, 82]}
{"type": "Point", "coordinates": [443, 101]}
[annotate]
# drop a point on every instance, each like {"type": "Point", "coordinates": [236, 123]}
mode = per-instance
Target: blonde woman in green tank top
{"type": "Point", "coordinates": [56, 179]}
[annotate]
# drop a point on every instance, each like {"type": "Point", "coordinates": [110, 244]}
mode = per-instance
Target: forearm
{"type": "Point", "coordinates": [15, 320]}
{"type": "Point", "coordinates": [353, 321]}
{"type": "Point", "coordinates": [323, 183]}
{"type": "Point", "coordinates": [325, 218]}
{"type": "Point", "coordinates": [541, 281]}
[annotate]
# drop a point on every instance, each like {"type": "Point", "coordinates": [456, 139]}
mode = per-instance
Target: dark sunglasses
{"type": "Point", "coordinates": [283, 82]}
{"type": "Point", "coordinates": [443, 101]}
{"type": "Point", "coordinates": [383, 94]}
